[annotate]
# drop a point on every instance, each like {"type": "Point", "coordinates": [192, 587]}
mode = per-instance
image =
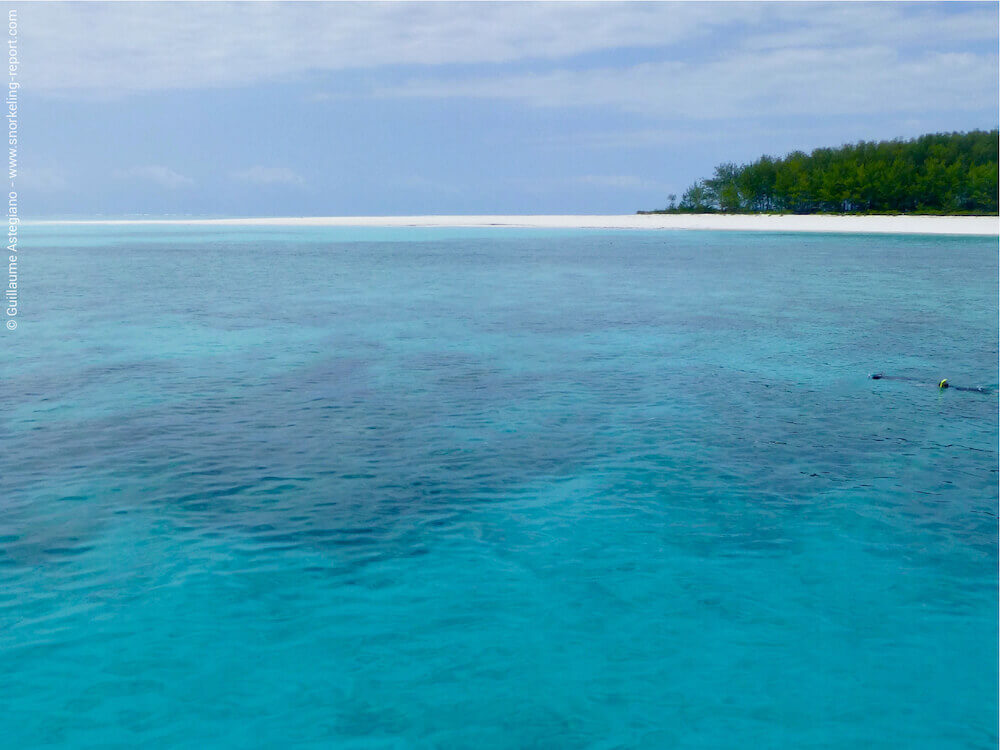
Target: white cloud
{"type": "Point", "coordinates": [148, 46]}
{"type": "Point", "coordinates": [626, 138]}
{"type": "Point", "coordinates": [602, 183]}
{"type": "Point", "coordinates": [42, 179]}
{"type": "Point", "coordinates": [131, 47]}
{"type": "Point", "coordinates": [712, 61]}
{"type": "Point", "coordinates": [269, 176]}
{"type": "Point", "coordinates": [157, 174]}
{"type": "Point", "coordinates": [779, 82]}
{"type": "Point", "coordinates": [419, 183]}
{"type": "Point", "coordinates": [893, 24]}
{"type": "Point", "coordinates": [616, 182]}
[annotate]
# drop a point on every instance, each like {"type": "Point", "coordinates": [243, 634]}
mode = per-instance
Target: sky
{"type": "Point", "coordinates": [286, 109]}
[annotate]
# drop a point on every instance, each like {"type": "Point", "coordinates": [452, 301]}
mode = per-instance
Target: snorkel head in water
{"type": "Point", "coordinates": [943, 383]}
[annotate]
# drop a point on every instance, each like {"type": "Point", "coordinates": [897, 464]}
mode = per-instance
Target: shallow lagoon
{"type": "Point", "coordinates": [401, 488]}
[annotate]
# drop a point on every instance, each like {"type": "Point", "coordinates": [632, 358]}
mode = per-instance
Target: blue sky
{"type": "Point", "coordinates": [266, 109]}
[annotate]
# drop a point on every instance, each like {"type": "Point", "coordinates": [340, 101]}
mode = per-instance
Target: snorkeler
{"type": "Point", "coordinates": [942, 384]}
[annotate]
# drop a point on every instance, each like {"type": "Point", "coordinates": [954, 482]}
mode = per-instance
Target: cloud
{"type": "Point", "coordinates": [793, 81]}
{"type": "Point", "coordinates": [419, 183]}
{"type": "Point", "coordinates": [134, 47]}
{"type": "Point", "coordinates": [616, 182]}
{"type": "Point", "coordinates": [151, 46]}
{"type": "Point", "coordinates": [157, 174]}
{"type": "Point", "coordinates": [899, 25]}
{"type": "Point", "coordinates": [606, 184]}
{"type": "Point", "coordinates": [269, 176]}
{"type": "Point", "coordinates": [625, 138]}
{"type": "Point", "coordinates": [42, 179]}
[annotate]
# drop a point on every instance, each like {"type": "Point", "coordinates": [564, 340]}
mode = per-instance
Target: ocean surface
{"type": "Point", "coordinates": [431, 488]}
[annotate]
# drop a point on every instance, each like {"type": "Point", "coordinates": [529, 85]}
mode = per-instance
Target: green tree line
{"type": "Point", "coordinates": [946, 173]}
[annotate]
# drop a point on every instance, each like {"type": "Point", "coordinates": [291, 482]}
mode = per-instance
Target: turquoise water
{"type": "Point", "coordinates": [498, 489]}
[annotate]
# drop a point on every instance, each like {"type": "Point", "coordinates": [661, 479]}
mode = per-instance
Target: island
{"type": "Point", "coordinates": [951, 174]}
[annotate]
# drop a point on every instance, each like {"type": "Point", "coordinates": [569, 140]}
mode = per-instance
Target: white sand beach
{"type": "Point", "coordinates": [953, 225]}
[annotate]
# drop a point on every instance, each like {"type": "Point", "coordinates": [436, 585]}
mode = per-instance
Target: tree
{"type": "Point", "coordinates": [937, 172]}
{"type": "Point", "coordinates": [697, 199]}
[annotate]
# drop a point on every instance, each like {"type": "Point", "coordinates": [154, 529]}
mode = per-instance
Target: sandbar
{"type": "Point", "coordinates": [948, 225]}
